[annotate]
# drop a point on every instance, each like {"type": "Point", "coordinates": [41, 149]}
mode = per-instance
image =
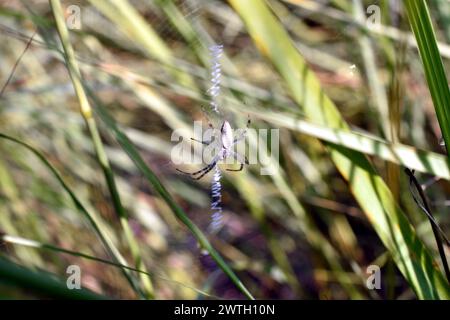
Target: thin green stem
{"type": "Point", "coordinates": [86, 112]}
{"type": "Point", "coordinates": [134, 155]}
{"type": "Point", "coordinates": [111, 249]}
{"type": "Point", "coordinates": [422, 27]}
{"type": "Point", "coordinates": [42, 283]}
{"type": "Point", "coordinates": [39, 245]}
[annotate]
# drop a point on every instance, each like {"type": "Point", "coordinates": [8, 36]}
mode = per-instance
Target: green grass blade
{"type": "Point", "coordinates": [39, 245]}
{"type": "Point", "coordinates": [16, 275]}
{"type": "Point", "coordinates": [407, 156]}
{"type": "Point", "coordinates": [378, 91]}
{"type": "Point", "coordinates": [134, 155]}
{"type": "Point", "coordinates": [409, 253]}
{"type": "Point", "coordinates": [420, 20]}
{"type": "Point", "coordinates": [86, 112]}
{"type": "Point", "coordinates": [106, 241]}
{"type": "Point", "coordinates": [182, 25]}
{"type": "Point", "coordinates": [128, 19]}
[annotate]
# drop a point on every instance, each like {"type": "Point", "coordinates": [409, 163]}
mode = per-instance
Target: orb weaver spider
{"type": "Point", "coordinates": [227, 141]}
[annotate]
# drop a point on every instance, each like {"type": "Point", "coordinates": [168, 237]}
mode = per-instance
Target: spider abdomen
{"type": "Point", "coordinates": [226, 135]}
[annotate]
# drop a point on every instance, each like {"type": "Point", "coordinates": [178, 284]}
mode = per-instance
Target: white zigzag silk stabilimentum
{"type": "Point", "coordinates": [216, 72]}
{"type": "Point", "coordinates": [216, 186]}
{"type": "Point", "coordinates": [216, 199]}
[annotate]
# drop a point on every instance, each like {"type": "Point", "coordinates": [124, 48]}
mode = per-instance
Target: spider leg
{"type": "Point", "coordinates": [241, 159]}
{"type": "Point", "coordinates": [243, 133]}
{"type": "Point", "coordinates": [194, 173]}
{"type": "Point", "coordinates": [240, 168]}
{"type": "Point", "coordinates": [202, 171]}
{"type": "Point", "coordinates": [207, 118]}
{"type": "Point", "coordinates": [209, 168]}
{"type": "Point", "coordinates": [245, 159]}
{"type": "Point", "coordinates": [205, 114]}
{"type": "Point", "coordinates": [185, 172]}
{"type": "Point", "coordinates": [207, 143]}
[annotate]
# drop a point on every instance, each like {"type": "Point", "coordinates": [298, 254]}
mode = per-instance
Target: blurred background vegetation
{"type": "Point", "coordinates": [347, 91]}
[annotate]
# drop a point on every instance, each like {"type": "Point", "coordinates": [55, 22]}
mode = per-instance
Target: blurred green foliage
{"type": "Point", "coordinates": [350, 99]}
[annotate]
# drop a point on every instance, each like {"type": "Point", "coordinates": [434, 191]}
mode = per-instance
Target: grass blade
{"type": "Point", "coordinates": [128, 19]}
{"type": "Point", "coordinates": [134, 155]}
{"type": "Point", "coordinates": [14, 274]}
{"type": "Point", "coordinates": [112, 250]}
{"type": "Point", "coordinates": [86, 112]}
{"type": "Point", "coordinates": [409, 253]}
{"type": "Point", "coordinates": [420, 20]}
{"type": "Point", "coordinates": [39, 245]}
{"type": "Point", "coordinates": [407, 156]}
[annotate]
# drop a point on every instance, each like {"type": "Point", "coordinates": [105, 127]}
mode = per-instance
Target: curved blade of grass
{"type": "Point", "coordinates": [439, 234]}
{"type": "Point", "coordinates": [86, 112]}
{"type": "Point", "coordinates": [327, 13]}
{"type": "Point", "coordinates": [182, 25]}
{"type": "Point", "coordinates": [407, 156]}
{"type": "Point", "coordinates": [304, 222]}
{"type": "Point", "coordinates": [14, 274]}
{"type": "Point", "coordinates": [112, 250]}
{"type": "Point", "coordinates": [420, 20]}
{"type": "Point", "coordinates": [378, 91]}
{"type": "Point", "coordinates": [134, 155]}
{"type": "Point", "coordinates": [409, 253]}
{"type": "Point", "coordinates": [128, 20]}
{"type": "Point", "coordinates": [39, 245]}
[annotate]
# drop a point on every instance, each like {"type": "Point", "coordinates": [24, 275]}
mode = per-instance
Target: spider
{"type": "Point", "coordinates": [227, 141]}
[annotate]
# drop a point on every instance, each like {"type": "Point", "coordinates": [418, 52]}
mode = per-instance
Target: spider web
{"type": "Point", "coordinates": [191, 11]}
